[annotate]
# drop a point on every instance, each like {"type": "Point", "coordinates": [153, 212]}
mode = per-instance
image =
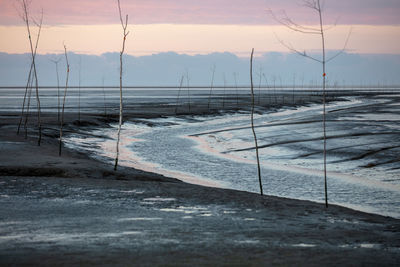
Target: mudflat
{"type": "Point", "coordinates": [73, 210]}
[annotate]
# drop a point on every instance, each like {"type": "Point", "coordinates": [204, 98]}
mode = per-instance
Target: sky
{"type": "Point", "coordinates": [200, 27]}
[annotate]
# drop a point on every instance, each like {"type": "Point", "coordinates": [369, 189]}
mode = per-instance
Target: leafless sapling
{"type": "Point", "coordinates": [259, 86]}
{"type": "Point", "coordinates": [211, 87]}
{"type": "Point", "coordinates": [252, 121]}
{"type": "Point", "coordinates": [223, 97]}
{"type": "Point", "coordinates": [237, 93]}
{"type": "Point", "coordinates": [79, 89]}
{"type": "Point", "coordinates": [316, 6]}
{"type": "Point", "coordinates": [104, 98]}
{"type": "Point", "coordinates": [124, 25]}
{"type": "Point", "coordinates": [65, 96]}
{"type": "Point", "coordinates": [56, 61]}
{"type": "Point", "coordinates": [179, 93]}
{"type": "Point", "coordinates": [26, 19]}
{"type": "Point", "coordinates": [188, 88]}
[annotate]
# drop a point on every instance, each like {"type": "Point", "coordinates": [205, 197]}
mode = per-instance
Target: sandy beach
{"type": "Point", "coordinates": [72, 210]}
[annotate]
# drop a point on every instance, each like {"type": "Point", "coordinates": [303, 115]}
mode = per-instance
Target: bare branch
{"type": "Point", "coordinates": [303, 54]}
{"type": "Point", "coordinates": [344, 47]}
{"type": "Point", "coordinates": [288, 23]}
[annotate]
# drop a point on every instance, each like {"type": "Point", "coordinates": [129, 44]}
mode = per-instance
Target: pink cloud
{"type": "Point", "coordinates": [374, 12]}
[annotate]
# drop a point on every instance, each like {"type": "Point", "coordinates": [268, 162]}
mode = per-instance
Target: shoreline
{"type": "Point", "coordinates": [175, 216]}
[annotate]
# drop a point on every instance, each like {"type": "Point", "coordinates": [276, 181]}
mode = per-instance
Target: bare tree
{"type": "Point", "coordinates": [27, 88]}
{"type": "Point", "coordinates": [188, 87]}
{"type": "Point", "coordinates": [316, 6]}
{"type": "Point", "coordinates": [124, 25]}
{"type": "Point", "coordinates": [179, 93]}
{"type": "Point", "coordinates": [237, 93]}
{"type": "Point", "coordinates": [259, 86]}
{"type": "Point", "coordinates": [26, 19]}
{"type": "Point", "coordinates": [79, 89]}
{"type": "Point", "coordinates": [27, 107]}
{"type": "Point", "coordinates": [56, 61]}
{"type": "Point", "coordinates": [104, 98]}
{"type": "Point", "coordinates": [211, 87]}
{"type": "Point", "coordinates": [266, 83]}
{"type": "Point", "coordinates": [252, 121]}
{"type": "Point", "coordinates": [223, 97]}
{"type": "Point", "coordinates": [63, 106]}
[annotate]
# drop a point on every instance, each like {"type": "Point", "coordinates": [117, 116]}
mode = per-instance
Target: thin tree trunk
{"type": "Point", "coordinates": [179, 93]}
{"type": "Point", "coordinates": [23, 104]}
{"type": "Point", "coordinates": [58, 88]}
{"type": "Point", "coordinates": [252, 121]}
{"type": "Point", "coordinates": [63, 106]}
{"type": "Point", "coordinates": [79, 91]}
{"type": "Point", "coordinates": [211, 88]}
{"type": "Point", "coordinates": [223, 98]}
{"type": "Point", "coordinates": [125, 33]}
{"type": "Point", "coordinates": [104, 98]}
{"type": "Point", "coordinates": [58, 93]}
{"type": "Point", "coordinates": [188, 88]}
{"type": "Point", "coordinates": [259, 88]}
{"type": "Point", "coordinates": [237, 94]}
{"type": "Point", "coordinates": [27, 108]}
{"type": "Point", "coordinates": [294, 82]}
{"type": "Point", "coordinates": [324, 98]}
{"type": "Point", "coordinates": [33, 54]}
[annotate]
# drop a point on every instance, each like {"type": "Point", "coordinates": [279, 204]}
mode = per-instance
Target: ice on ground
{"type": "Point", "coordinates": [303, 245]}
{"type": "Point", "coordinates": [139, 219]}
{"type": "Point", "coordinates": [154, 199]}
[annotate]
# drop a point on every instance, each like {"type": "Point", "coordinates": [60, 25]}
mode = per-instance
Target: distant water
{"type": "Point", "coordinates": [216, 151]}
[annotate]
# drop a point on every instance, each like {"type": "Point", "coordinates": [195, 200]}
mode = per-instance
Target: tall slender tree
{"type": "Point", "coordinates": [211, 87]}
{"type": "Point", "coordinates": [124, 24]}
{"type": "Point", "coordinates": [104, 98]}
{"type": "Point", "coordinates": [252, 122]}
{"type": "Point", "coordinates": [179, 94]}
{"type": "Point", "coordinates": [316, 6]}
{"type": "Point", "coordinates": [26, 18]}
{"type": "Point", "coordinates": [63, 106]}
{"type": "Point", "coordinates": [237, 93]}
{"type": "Point", "coordinates": [56, 61]}
{"type": "Point", "coordinates": [79, 89]}
{"type": "Point", "coordinates": [188, 88]}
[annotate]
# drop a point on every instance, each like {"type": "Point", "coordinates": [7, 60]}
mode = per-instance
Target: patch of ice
{"type": "Point", "coordinates": [131, 233]}
{"type": "Point", "coordinates": [139, 219]}
{"type": "Point", "coordinates": [153, 199]}
{"type": "Point", "coordinates": [186, 210]}
{"type": "Point", "coordinates": [187, 217]}
{"type": "Point", "coordinates": [249, 219]}
{"type": "Point", "coordinates": [302, 245]}
{"type": "Point", "coordinates": [131, 191]}
{"type": "Point", "coordinates": [229, 211]}
{"type": "Point", "coordinates": [333, 220]}
{"type": "Point", "coordinates": [206, 215]}
{"type": "Point", "coordinates": [367, 245]}
{"type": "Point", "coordinates": [5, 196]}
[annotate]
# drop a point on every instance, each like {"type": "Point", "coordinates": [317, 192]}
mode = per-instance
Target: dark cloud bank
{"type": "Point", "coordinates": [167, 68]}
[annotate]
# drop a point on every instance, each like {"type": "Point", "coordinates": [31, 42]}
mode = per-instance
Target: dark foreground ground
{"type": "Point", "coordinates": [74, 210]}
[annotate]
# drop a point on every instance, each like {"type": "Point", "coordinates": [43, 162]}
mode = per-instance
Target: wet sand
{"type": "Point", "coordinates": [75, 210]}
